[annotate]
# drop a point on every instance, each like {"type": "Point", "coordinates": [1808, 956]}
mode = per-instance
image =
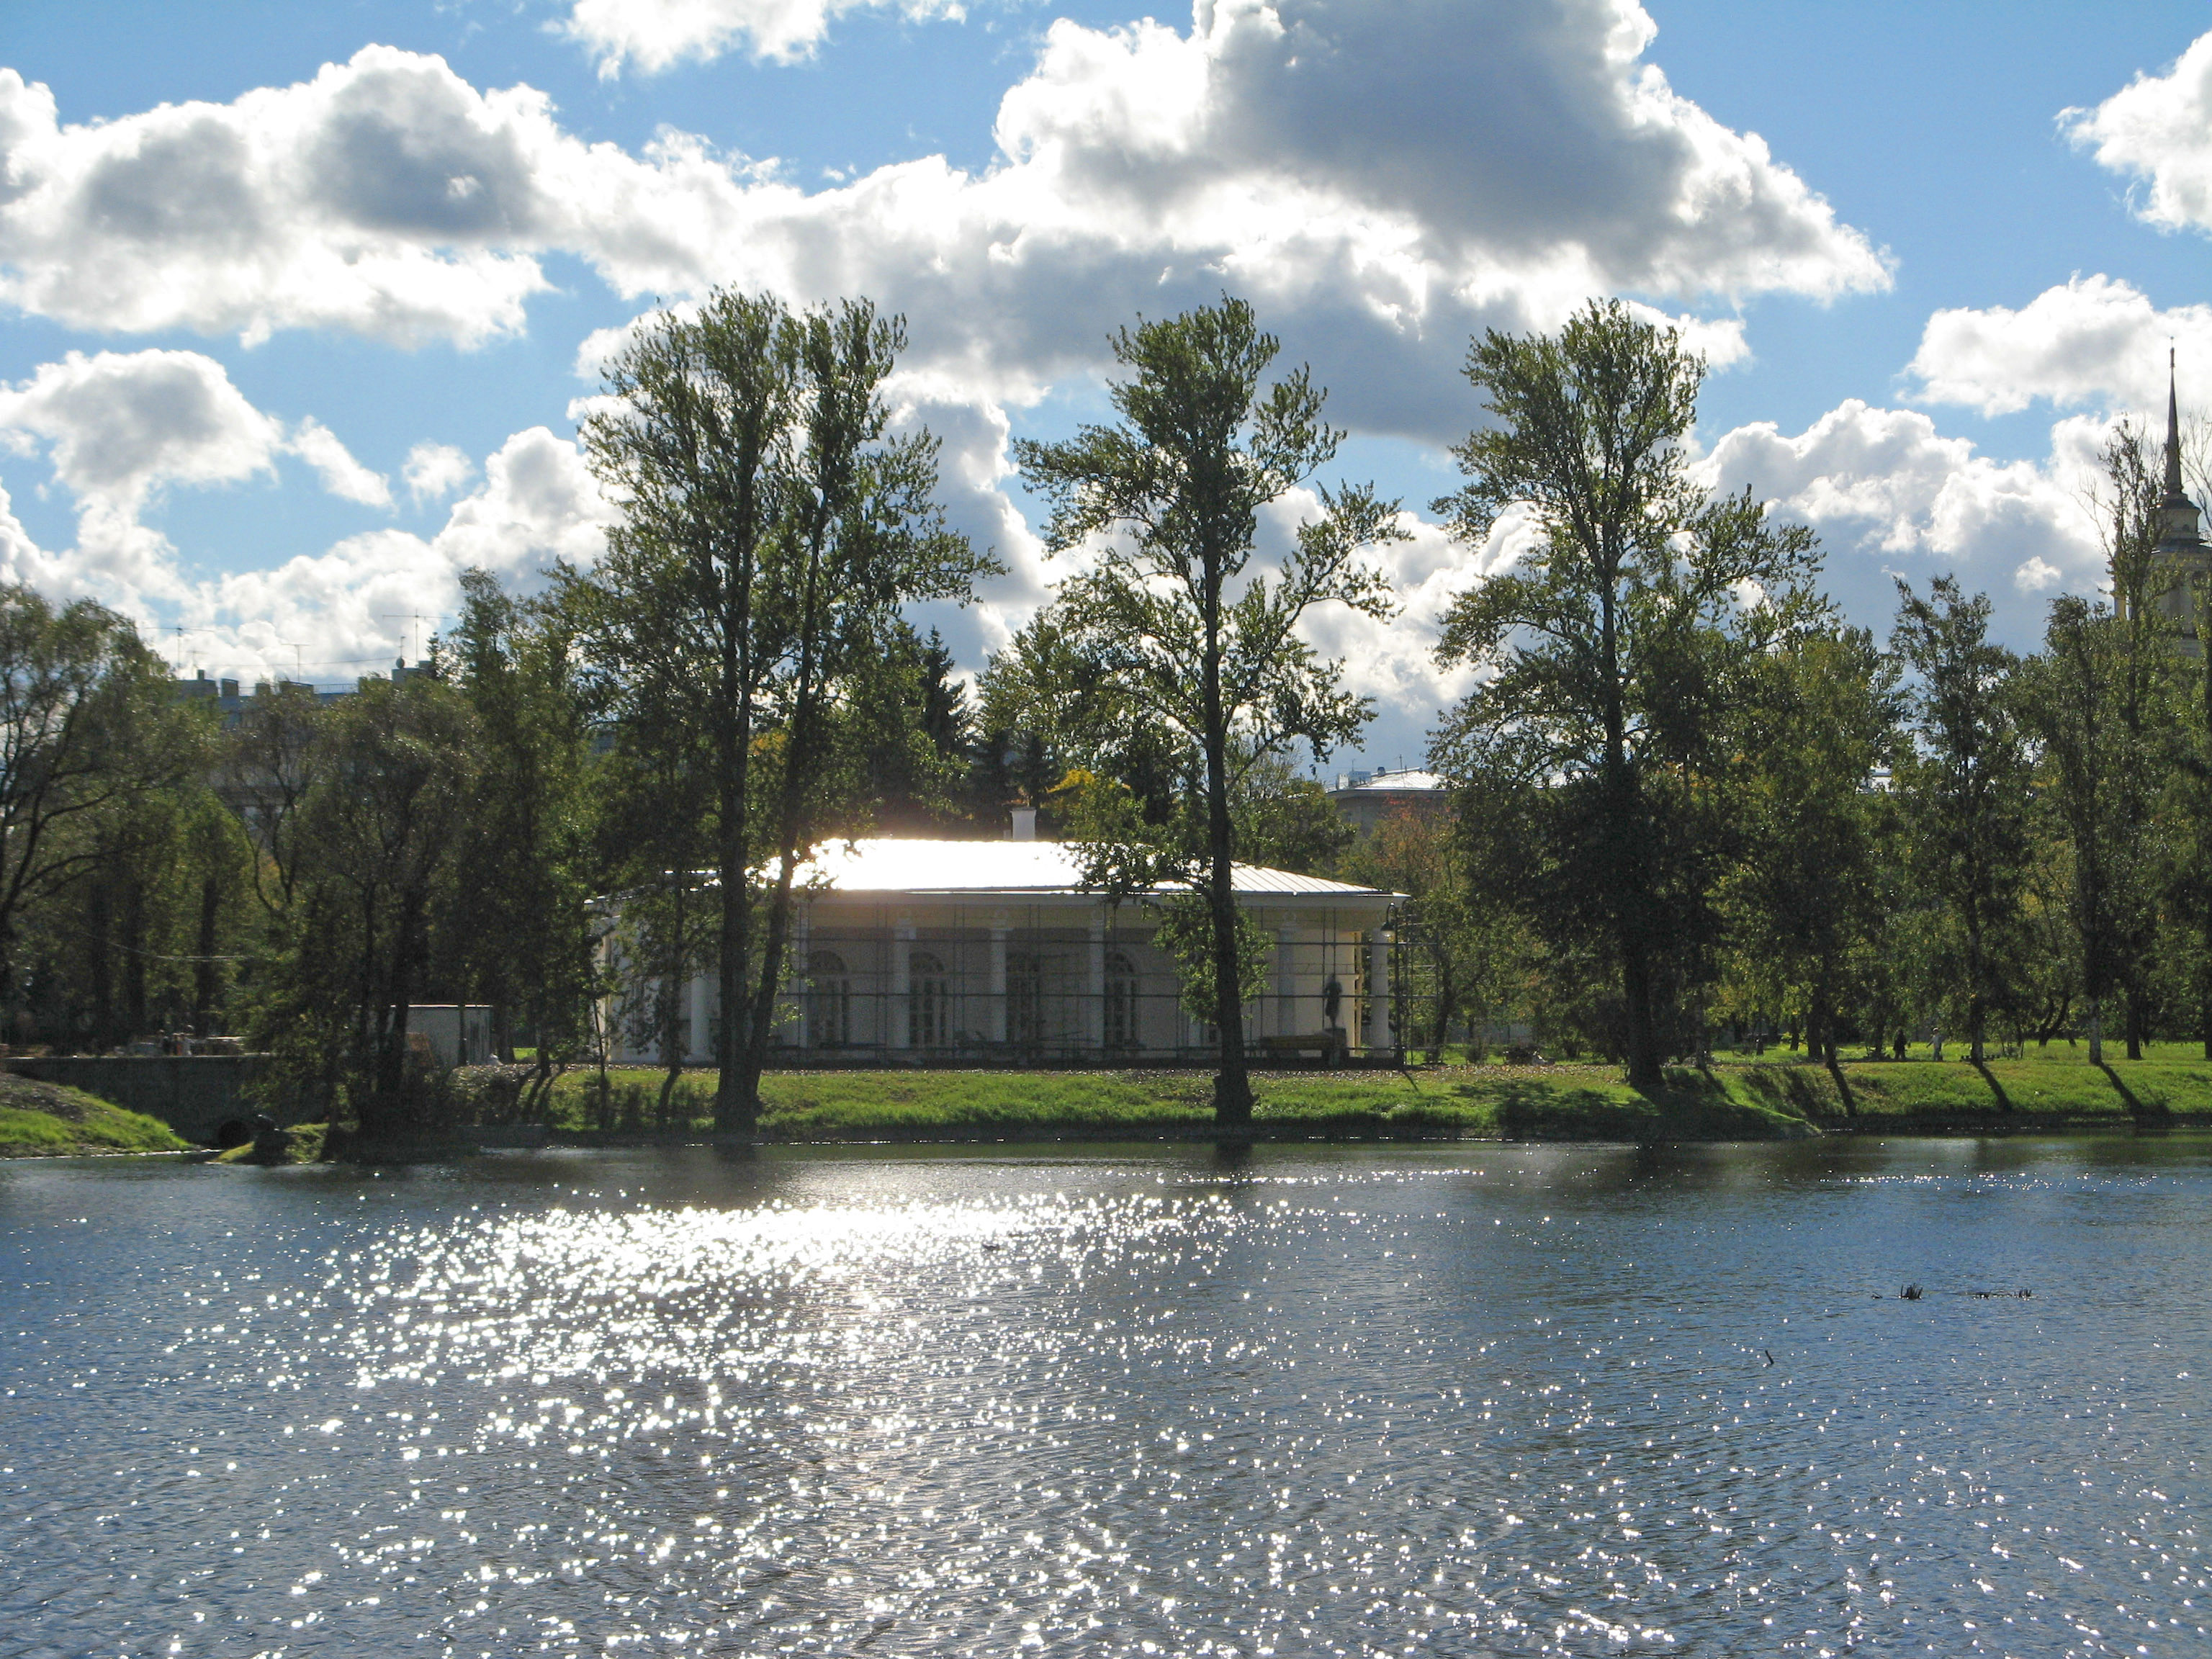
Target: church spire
{"type": "Point", "coordinates": [2173, 489]}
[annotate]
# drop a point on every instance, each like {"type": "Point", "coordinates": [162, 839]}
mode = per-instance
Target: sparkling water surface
{"type": "Point", "coordinates": [1420, 1400]}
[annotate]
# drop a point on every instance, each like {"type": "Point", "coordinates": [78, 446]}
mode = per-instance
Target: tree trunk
{"type": "Point", "coordinates": [1976, 1050]}
{"type": "Point", "coordinates": [2204, 1010]}
{"type": "Point", "coordinates": [1644, 1070]}
{"type": "Point", "coordinates": [204, 978]}
{"type": "Point", "coordinates": [2096, 1031]}
{"type": "Point", "coordinates": [1232, 1083]}
{"type": "Point", "coordinates": [134, 957]}
{"type": "Point", "coordinates": [99, 943]}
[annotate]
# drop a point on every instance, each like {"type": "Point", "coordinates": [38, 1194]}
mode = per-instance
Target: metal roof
{"type": "Point", "coordinates": [912, 865]}
{"type": "Point", "coordinates": [1385, 782]}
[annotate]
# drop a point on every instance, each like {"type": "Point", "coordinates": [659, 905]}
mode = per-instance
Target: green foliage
{"type": "Point", "coordinates": [1965, 782]}
{"type": "Point", "coordinates": [394, 772]}
{"type": "Point", "coordinates": [1818, 722]}
{"type": "Point", "coordinates": [513, 929]}
{"type": "Point", "coordinates": [1464, 955]}
{"type": "Point", "coordinates": [101, 785]}
{"type": "Point", "coordinates": [1186, 934]}
{"type": "Point", "coordinates": [773, 528]}
{"type": "Point", "coordinates": [1198, 645]}
{"type": "Point", "coordinates": [1596, 758]}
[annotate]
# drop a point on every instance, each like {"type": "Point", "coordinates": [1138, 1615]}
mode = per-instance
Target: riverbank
{"type": "Point", "coordinates": [2053, 1091]}
{"type": "Point", "coordinates": [47, 1120]}
{"type": "Point", "coordinates": [2046, 1092]}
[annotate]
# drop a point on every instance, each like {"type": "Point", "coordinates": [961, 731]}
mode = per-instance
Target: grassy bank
{"type": "Point", "coordinates": [1773, 1096]}
{"type": "Point", "coordinates": [303, 1145]}
{"type": "Point", "coordinates": [47, 1119]}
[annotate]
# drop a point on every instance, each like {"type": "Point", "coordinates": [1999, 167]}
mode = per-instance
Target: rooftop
{"type": "Point", "coordinates": [912, 865]}
{"type": "Point", "coordinates": [1383, 782]}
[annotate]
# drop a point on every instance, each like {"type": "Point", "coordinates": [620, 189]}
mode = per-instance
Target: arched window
{"type": "Point", "coordinates": [1025, 1000]}
{"type": "Point", "coordinates": [925, 1002]}
{"type": "Point", "coordinates": [828, 1000]}
{"type": "Point", "coordinates": [1119, 1026]}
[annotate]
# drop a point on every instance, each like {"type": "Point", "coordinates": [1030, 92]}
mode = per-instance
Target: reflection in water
{"type": "Point", "coordinates": [1350, 1401]}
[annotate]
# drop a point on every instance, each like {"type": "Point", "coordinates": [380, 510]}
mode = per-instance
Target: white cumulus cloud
{"type": "Point", "coordinates": [2157, 130]}
{"type": "Point", "coordinates": [352, 608]}
{"type": "Point", "coordinates": [317, 445]}
{"type": "Point", "coordinates": [435, 471]}
{"type": "Point", "coordinates": [656, 34]}
{"type": "Point", "coordinates": [1892, 497]}
{"type": "Point", "coordinates": [119, 429]}
{"type": "Point", "coordinates": [2092, 341]}
{"type": "Point", "coordinates": [1382, 177]}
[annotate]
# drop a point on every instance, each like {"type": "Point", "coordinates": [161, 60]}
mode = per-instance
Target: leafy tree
{"type": "Point", "coordinates": [1966, 782]}
{"type": "Point", "coordinates": [916, 768]}
{"type": "Point", "coordinates": [1818, 723]}
{"type": "Point", "coordinates": [771, 532]}
{"type": "Point", "coordinates": [516, 928]}
{"type": "Point", "coordinates": [1463, 952]}
{"type": "Point", "coordinates": [693, 446]}
{"type": "Point", "coordinates": [374, 853]}
{"type": "Point", "coordinates": [89, 734]}
{"type": "Point", "coordinates": [1287, 822]}
{"type": "Point", "coordinates": [1592, 757]}
{"type": "Point", "coordinates": [1203, 646]}
{"type": "Point", "coordinates": [1052, 709]}
{"type": "Point", "coordinates": [2087, 699]}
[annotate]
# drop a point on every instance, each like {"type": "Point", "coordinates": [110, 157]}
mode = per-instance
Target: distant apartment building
{"type": "Point", "coordinates": [1368, 797]}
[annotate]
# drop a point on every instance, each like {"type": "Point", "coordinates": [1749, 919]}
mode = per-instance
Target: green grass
{"type": "Point", "coordinates": [1581, 1102]}
{"type": "Point", "coordinates": [47, 1119]}
{"type": "Point", "coordinates": [1779, 1096]}
{"type": "Point", "coordinates": [307, 1147]}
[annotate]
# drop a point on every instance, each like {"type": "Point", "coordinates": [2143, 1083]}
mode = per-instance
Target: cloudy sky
{"type": "Point", "coordinates": [298, 303]}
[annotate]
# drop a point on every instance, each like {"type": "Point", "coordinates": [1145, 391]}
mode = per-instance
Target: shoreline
{"type": "Point", "coordinates": [1568, 1104]}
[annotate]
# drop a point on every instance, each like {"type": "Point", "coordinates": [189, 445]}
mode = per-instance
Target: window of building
{"type": "Point", "coordinates": [1120, 1027]}
{"type": "Point", "coordinates": [925, 1002]}
{"type": "Point", "coordinates": [828, 1000]}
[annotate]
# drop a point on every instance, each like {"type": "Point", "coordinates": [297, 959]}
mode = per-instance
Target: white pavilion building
{"type": "Point", "coordinates": [921, 953]}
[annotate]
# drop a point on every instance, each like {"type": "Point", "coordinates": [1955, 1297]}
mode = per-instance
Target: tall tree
{"type": "Point", "coordinates": [1820, 722]}
{"type": "Point", "coordinates": [1967, 786]}
{"type": "Point", "coordinates": [2070, 694]}
{"type": "Point", "coordinates": [693, 446]}
{"type": "Point", "coordinates": [516, 928]}
{"type": "Point", "coordinates": [1590, 756]}
{"type": "Point", "coordinates": [1166, 503]}
{"type": "Point", "coordinates": [864, 537]}
{"type": "Point", "coordinates": [771, 532]}
{"type": "Point", "coordinates": [86, 727]}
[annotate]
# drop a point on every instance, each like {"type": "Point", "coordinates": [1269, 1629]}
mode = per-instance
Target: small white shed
{"type": "Point", "coordinates": [459, 1035]}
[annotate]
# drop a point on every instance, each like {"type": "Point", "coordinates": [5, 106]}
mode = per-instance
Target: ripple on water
{"type": "Point", "coordinates": [1538, 1402]}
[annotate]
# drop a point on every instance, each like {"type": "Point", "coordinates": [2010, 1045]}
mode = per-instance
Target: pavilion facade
{"type": "Point", "coordinates": [928, 953]}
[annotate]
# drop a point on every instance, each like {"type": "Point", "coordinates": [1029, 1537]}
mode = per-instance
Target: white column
{"type": "Point", "coordinates": [1378, 988]}
{"type": "Point", "coordinates": [1286, 980]}
{"type": "Point", "coordinates": [1094, 973]}
{"type": "Point", "coordinates": [703, 1051]}
{"type": "Point", "coordinates": [901, 983]}
{"type": "Point", "coordinates": [995, 1019]}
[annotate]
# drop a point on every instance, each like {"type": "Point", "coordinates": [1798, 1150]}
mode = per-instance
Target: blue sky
{"type": "Point", "coordinates": [292, 299]}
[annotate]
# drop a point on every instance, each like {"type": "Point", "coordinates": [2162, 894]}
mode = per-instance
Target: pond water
{"type": "Point", "coordinates": [1441, 1400]}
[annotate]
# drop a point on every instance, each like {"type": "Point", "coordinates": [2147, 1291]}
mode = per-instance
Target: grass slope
{"type": "Point", "coordinates": [47, 1120]}
{"type": "Point", "coordinates": [2049, 1089]}
{"type": "Point", "coordinates": [1578, 1103]}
